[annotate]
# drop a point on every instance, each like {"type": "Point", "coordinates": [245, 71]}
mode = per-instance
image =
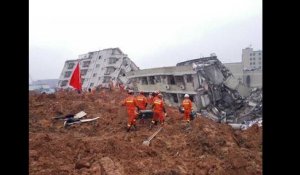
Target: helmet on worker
{"type": "Point", "coordinates": [159, 95]}
{"type": "Point", "coordinates": [130, 91]}
{"type": "Point", "coordinates": [186, 96]}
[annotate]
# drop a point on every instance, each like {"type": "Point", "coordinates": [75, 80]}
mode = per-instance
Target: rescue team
{"type": "Point", "coordinates": [155, 101]}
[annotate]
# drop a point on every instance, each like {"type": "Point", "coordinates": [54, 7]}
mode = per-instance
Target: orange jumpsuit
{"type": "Point", "coordinates": [158, 110]}
{"type": "Point", "coordinates": [130, 103]}
{"type": "Point", "coordinates": [141, 101]}
{"type": "Point", "coordinates": [187, 105]}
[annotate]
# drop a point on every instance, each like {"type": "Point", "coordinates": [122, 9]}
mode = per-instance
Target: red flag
{"type": "Point", "coordinates": [76, 78]}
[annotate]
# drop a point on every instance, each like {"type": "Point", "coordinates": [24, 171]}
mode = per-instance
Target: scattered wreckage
{"type": "Point", "coordinates": [216, 93]}
{"type": "Point", "coordinates": [71, 119]}
{"type": "Point", "coordinates": [232, 101]}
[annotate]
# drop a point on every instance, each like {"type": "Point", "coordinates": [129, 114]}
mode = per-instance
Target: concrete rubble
{"type": "Point", "coordinates": [232, 101]}
{"type": "Point", "coordinates": [216, 93]}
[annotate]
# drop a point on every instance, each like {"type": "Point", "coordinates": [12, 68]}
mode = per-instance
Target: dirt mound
{"type": "Point", "coordinates": [104, 145]}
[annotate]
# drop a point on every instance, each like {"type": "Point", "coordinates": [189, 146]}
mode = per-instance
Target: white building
{"type": "Point", "coordinates": [249, 71]}
{"type": "Point", "coordinates": [252, 59]}
{"type": "Point", "coordinates": [99, 68]}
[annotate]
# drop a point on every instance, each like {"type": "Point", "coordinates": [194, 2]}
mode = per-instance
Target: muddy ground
{"type": "Point", "coordinates": [104, 146]}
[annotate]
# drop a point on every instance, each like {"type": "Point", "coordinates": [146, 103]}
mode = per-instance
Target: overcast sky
{"type": "Point", "coordinates": [153, 33]}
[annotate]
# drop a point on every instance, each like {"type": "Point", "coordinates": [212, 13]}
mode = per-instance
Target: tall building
{"type": "Point", "coordinates": [99, 68]}
{"type": "Point", "coordinates": [249, 71]}
{"type": "Point", "coordinates": [251, 59]}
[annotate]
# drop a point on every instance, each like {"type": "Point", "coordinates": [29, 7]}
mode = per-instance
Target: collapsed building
{"type": "Point", "coordinates": [215, 92]}
{"type": "Point", "coordinates": [99, 68]}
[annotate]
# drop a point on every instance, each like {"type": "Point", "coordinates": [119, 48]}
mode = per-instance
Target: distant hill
{"type": "Point", "coordinates": [51, 82]}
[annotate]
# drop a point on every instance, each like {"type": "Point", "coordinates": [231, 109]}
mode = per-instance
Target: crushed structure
{"type": "Point", "coordinates": [99, 68]}
{"type": "Point", "coordinates": [215, 92]}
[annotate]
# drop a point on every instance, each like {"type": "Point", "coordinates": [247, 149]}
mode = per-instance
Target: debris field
{"type": "Point", "coordinates": [104, 147]}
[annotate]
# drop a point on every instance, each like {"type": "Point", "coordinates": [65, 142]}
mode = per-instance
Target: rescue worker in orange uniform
{"type": "Point", "coordinates": [187, 106]}
{"type": "Point", "coordinates": [131, 105]}
{"type": "Point", "coordinates": [141, 101]}
{"type": "Point", "coordinates": [159, 111]}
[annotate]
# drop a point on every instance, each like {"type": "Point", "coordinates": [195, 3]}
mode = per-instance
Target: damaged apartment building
{"type": "Point", "coordinates": [99, 68]}
{"type": "Point", "coordinates": [213, 89]}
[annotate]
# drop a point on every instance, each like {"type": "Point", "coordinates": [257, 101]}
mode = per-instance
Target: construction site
{"type": "Point", "coordinates": [103, 146]}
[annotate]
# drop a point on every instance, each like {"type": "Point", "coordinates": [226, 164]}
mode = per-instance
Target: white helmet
{"type": "Point", "coordinates": [186, 96]}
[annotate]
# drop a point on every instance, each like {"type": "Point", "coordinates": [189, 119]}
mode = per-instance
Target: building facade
{"type": "Point", "coordinates": [203, 79]}
{"type": "Point", "coordinates": [252, 59]}
{"type": "Point", "coordinates": [99, 68]}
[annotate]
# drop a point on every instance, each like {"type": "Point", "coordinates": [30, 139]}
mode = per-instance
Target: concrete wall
{"type": "Point", "coordinates": [236, 69]}
{"type": "Point", "coordinates": [255, 78]}
{"type": "Point", "coordinates": [254, 75]}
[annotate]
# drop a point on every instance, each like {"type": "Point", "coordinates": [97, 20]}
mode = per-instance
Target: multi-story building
{"type": "Point", "coordinates": [99, 68]}
{"type": "Point", "coordinates": [203, 79]}
{"type": "Point", "coordinates": [252, 59]}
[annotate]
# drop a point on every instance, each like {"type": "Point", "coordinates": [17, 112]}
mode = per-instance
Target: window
{"type": "Point", "coordinates": [179, 79]}
{"type": "Point", "coordinates": [99, 78]}
{"type": "Point", "coordinates": [253, 63]}
{"type": "Point", "coordinates": [97, 65]}
{"type": "Point", "coordinates": [83, 72]}
{"type": "Point", "coordinates": [109, 70]}
{"type": "Point", "coordinates": [112, 60]}
{"type": "Point", "coordinates": [157, 79]}
{"type": "Point", "coordinates": [92, 84]}
{"type": "Point", "coordinates": [68, 74]}
{"type": "Point", "coordinates": [250, 54]}
{"type": "Point", "coordinates": [253, 58]}
{"type": "Point", "coordinates": [99, 57]}
{"type": "Point", "coordinates": [94, 74]}
{"type": "Point", "coordinates": [125, 63]}
{"type": "Point", "coordinates": [259, 58]}
{"type": "Point", "coordinates": [71, 65]}
{"type": "Point", "coordinates": [106, 79]}
{"type": "Point", "coordinates": [144, 80]}
{"type": "Point", "coordinates": [259, 62]}
{"type": "Point", "coordinates": [250, 58]}
{"type": "Point", "coordinates": [259, 53]}
{"type": "Point", "coordinates": [189, 78]}
{"type": "Point", "coordinates": [171, 79]}
{"type": "Point", "coordinates": [151, 80]}
{"type": "Point", "coordinates": [253, 54]}
{"type": "Point", "coordinates": [86, 63]}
